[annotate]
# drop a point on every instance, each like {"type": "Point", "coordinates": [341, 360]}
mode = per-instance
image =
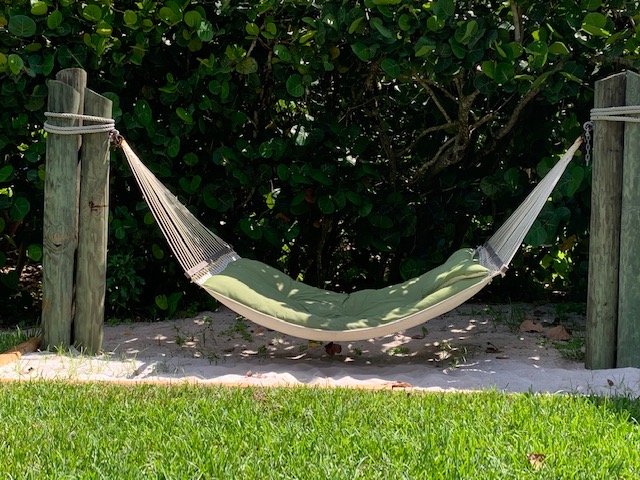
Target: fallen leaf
{"type": "Point", "coordinates": [259, 395]}
{"type": "Point", "coordinates": [333, 348]}
{"type": "Point", "coordinates": [313, 344]}
{"type": "Point", "coordinates": [417, 336]}
{"type": "Point", "coordinates": [258, 330]}
{"type": "Point", "coordinates": [491, 348]}
{"type": "Point", "coordinates": [529, 325]}
{"type": "Point", "coordinates": [309, 197]}
{"type": "Point", "coordinates": [610, 382]}
{"type": "Point", "coordinates": [536, 459]}
{"type": "Point", "coordinates": [502, 357]}
{"type": "Point", "coordinates": [558, 334]}
{"type": "Point", "coordinates": [400, 385]}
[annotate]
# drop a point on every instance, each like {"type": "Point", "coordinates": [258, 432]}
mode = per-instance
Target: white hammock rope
{"type": "Point", "coordinates": [624, 113]}
{"type": "Point", "coordinates": [508, 239]}
{"type": "Point", "coordinates": [202, 254]}
{"type": "Point", "coordinates": [199, 251]}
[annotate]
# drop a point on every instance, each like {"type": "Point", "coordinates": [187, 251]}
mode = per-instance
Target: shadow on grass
{"type": "Point", "coordinates": [620, 405]}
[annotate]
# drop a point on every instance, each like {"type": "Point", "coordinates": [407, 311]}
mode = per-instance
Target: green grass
{"type": "Point", "coordinates": [571, 349]}
{"type": "Point", "coordinates": [11, 338]}
{"type": "Point", "coordinates": [58, 430]}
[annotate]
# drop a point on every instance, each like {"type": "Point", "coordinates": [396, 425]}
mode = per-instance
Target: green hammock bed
{"type": "Point", "coordinates": [259, 291]}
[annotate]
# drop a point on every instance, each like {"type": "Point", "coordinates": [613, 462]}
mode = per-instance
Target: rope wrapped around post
{"type": "Point", "coordinates": [617, 114]}
{"type": "Point", "coordinates": [102, 124]}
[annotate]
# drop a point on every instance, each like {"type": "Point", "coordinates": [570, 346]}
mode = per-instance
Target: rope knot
{"type": "Point", "coordinates": [115, 138]}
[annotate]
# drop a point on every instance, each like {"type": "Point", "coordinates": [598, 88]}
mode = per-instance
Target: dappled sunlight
{"type": "Point", "coordinates": [473, 347]}
{"type": "Point", "coordinates": [469, 339]}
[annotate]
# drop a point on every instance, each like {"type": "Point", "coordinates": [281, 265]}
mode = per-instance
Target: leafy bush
{"type": "Point", "coordinates": [351, 144]}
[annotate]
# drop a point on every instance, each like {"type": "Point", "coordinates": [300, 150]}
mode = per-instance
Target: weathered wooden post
{"type": "Point", "coordinates": [604, 246]}
{"type": "Point", "coordinates": [92, 231]}
{"type": "Point", "coordinates": [628, 352]}
{"type": "Point", "coordinates": [613, 303]}
{"type": "Point", "coordinates": [60, 222]}
{"type": "Point", "coordinates": [75, 217]}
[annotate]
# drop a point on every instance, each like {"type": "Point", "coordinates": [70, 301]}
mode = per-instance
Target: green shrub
{"type": "Point", "coordinates": [351, 144]}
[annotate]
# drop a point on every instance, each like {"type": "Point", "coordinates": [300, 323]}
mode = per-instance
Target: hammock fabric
{"type": "Point", "coordinates": [272, 299]}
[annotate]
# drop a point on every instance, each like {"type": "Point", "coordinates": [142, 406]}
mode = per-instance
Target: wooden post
{"type": "Point", "coordinates": [604, 246]}
{"type": "Point", "coordinates": [60, 222]}
{"type": "Point", "coordinates": [628, 354]}
{"type": "Point", "coordinates": [91, 270]}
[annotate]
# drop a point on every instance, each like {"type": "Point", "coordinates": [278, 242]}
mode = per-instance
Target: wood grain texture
{"type": "Point", "coordinates": [604, 246]}
{"type": "Point", "coordinates": [60, 222]}
{"type": "Point", "coordinates": [91, 268]}
{"type": "Point", "coordinates": [628, 351]}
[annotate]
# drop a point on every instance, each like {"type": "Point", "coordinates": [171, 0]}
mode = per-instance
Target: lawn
{"type": "Point", "coordinates": [62, 430]}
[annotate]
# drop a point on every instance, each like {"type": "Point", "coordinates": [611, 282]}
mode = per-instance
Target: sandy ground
{"type": "Point", "coordinates": [473, 347]}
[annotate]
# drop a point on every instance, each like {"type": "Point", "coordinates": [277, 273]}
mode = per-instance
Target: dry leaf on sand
{"type": "Point", "coordinates": [529, 325]}
{"type": "Point", "coordinates": [558, 334]}
{"type": "Point", "coordinates": [333, 348]}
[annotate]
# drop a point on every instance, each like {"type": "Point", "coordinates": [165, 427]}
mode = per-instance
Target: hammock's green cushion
{"type": "Point", "coordinates": [272, 292]}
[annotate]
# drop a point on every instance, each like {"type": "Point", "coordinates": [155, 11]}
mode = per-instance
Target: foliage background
{"type": "Point", "coordinates": [350, 143]}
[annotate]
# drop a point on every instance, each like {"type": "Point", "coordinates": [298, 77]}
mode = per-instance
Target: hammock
{"type": "Point", "coordinates": [270, 298]}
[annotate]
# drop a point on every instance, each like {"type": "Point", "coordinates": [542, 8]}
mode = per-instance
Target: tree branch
{"type": "Point", "coordinates": [516, 12]}
{"type": "Point", "coordinates": [423, 134]}
{"type": "Point", "coordinates": [435, 99]}
{"type": "Point", "coordinates": [386, 145]}
{"type": "Point", "coordinates": [511, 122]}
{"type": "Point", "coordinates": [455, 148]}
{"type": "Point", "coordinates": [427, 165]}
